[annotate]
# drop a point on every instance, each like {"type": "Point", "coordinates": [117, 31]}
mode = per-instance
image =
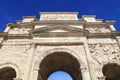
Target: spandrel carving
{"type": "Point", "coordinates": [98, 30]}
{"type": "Point", "coordinates": [103, 53]}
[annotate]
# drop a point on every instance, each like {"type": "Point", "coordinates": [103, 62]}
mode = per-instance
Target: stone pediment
{"type": "Point", "coordinates": [57, 29]}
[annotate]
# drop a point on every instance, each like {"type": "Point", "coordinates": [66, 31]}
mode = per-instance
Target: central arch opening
{"type": "Point", "coordinates": [59, 61]}
{"type": "Point", "coordinates": [60, 75]}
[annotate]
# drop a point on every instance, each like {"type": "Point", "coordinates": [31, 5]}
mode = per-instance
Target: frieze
{"type": "Point", "coordinates": [19, 31]}
{"type": "Point", "coordinates": [98, 30]}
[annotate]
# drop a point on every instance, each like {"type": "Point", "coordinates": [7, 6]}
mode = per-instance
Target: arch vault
{"type": "Point", "coordinates": [59, 61]}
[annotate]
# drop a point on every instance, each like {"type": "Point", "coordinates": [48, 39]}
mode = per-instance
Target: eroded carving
{"type": "Point", "coordinates": [58, 17]}
{"type": "Point", "coordinates": [104, 53]}
{"type": "Point", "coordinates": [19, 31]}
{"type": "Point", "coordinates": [98, 30]}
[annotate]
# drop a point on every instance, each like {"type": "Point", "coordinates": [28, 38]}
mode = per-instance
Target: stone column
{"type": "Point", "coordinates": [29, 62]}
{"type": "Point", "coordinates": [89, 59]}
{"type": "Point", "coordinates": [34, 75]}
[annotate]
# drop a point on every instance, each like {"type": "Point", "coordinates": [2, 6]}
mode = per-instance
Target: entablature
{"type": "Point", "coordinates": [58, 34]}
{"type": "Point", "coordinates": [58, 40]}
{"type": "Point", "coordinates": [67, 22]}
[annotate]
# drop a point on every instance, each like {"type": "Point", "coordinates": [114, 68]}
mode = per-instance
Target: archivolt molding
{"type": "Point", "coordinates": [14, 66]}
{"type": "Point", "coordinates": [69, 51]}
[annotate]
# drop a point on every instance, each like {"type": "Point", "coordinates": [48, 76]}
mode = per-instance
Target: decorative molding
{"type": "Point", "coordinates": [3, 34]}
{"type": "Point", "coordinates": [19, 36]}
{"type": "Point", "coordinates": [56, 27]}
{"type": "Point", "coordinates": [73, 22]}
{"type": "Point", "coordinates": [24, 17]}
{"type": "Point", "coordinates": [58, 13]}
{"type": "Point", "coordinates": [110, 22]}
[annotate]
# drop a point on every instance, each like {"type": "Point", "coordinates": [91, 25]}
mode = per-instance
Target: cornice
{"type": "Point", "coordinates": [3, 34]}
{"type": "Point", "coordinates": [22, 25]}
{"type": "Point", "coordinates": [100, 35]}
{"type": "Point", "coordinates": [58, 13]}
{"type": "Point", "coordinates": [60, 22]}
{"type": "Point", "coordinates": [18, 36]}
{"type": "Point", "coordinates": [116, 33]}
{"type": "Point", "coordinates": [10, 24]}
{"type": "Point", "coordinates": [58, 34]}
{"type": "Point", "coordinates": [95, 23]}
{"type": "Point", "coordinates": [18, 21]}
{"type": "Point", "coordinates": [88, 16]}
{"type": "Point", "coordinates": [74, 22]}
{"type": "Point", "coordinates": [24, 17]}
{"type": "Point", "coordinates": [110, 22]}
{"type": "Point", "coordinates": [58, 43]}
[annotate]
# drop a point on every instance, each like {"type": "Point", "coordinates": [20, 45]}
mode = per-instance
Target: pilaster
{"type": "Point", "coordinates": [29, 63]}
{"type": "Point", "coordinates": [89, 59]}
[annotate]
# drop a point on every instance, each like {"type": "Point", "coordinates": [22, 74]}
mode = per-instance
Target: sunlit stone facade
{"type": "Point", "coordinates": [33, 48]}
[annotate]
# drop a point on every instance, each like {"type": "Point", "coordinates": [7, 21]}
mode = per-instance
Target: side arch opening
{"type": "Point", "coordinates": [111, 71]}
{"type": "Point", "coordinates": [7, 73]}
{"type": "Point", "coordinates": [59, 61]}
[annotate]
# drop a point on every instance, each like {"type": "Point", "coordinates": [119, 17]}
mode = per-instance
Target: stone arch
{"type": "Point", "coordinates": [11, 65]}
{"type": "Point", "coordinates": [111, 71]}
{"type": "Point", "coordinates": [69, 51]}
{"type": "Point", "coordinates": [72, 66]}
{"type": "Point", "coordinates": [7, 73]}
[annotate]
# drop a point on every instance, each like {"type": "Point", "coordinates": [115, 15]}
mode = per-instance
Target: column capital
{"type": "Point", "coordinates": [17, 79]}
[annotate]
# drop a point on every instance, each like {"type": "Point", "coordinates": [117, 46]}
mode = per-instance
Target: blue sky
{"type": "Point", "coordinates": [12, 10]}
{"type": "Point", "coordinates": [60, 75]}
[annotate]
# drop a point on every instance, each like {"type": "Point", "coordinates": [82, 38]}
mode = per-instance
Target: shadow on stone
{"type": "Point", "coordinates": [111, 71]}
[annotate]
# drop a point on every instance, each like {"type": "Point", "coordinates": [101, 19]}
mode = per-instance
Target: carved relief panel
{"type": "Point", "coordinates": [19, 31]}
{"type": "Point", "coordinates": [103, 53]}
{"type": "Point", "coordinates": [98, 30]}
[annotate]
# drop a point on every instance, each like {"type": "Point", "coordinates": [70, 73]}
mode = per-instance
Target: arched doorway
{"type": "Point", "coordinates": [59, 61]}
{"type": "Point", "coordinates": [7, 73]}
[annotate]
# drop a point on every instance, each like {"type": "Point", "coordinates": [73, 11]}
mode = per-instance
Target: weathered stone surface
{"type": "Point", "coordinates": [59, 41]}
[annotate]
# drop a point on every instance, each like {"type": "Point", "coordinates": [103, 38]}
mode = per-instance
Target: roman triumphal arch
{"type": "Point", "coordinates": [33, 49]}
